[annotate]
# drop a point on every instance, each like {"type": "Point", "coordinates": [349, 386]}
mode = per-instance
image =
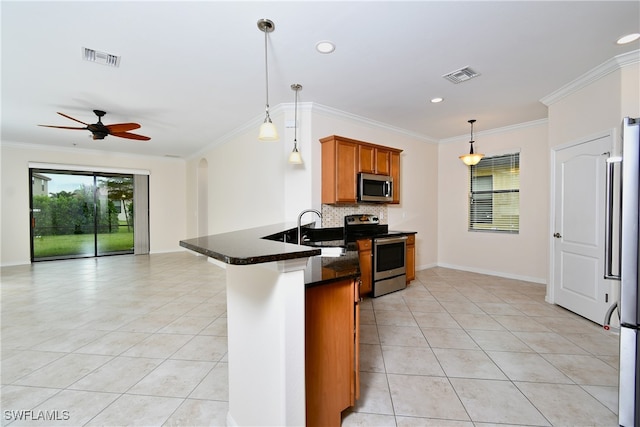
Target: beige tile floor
{"type": "Point", "coordinates": [141, 340]}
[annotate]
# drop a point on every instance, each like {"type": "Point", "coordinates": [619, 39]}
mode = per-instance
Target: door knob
{"type": "Point", "coordinates": [557, 235]}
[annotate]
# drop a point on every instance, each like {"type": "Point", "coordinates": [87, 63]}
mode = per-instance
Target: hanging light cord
{"type": "Point", "coordinates": [295, 124]}
{"type": "Point", "coordinates": [471, 141]}
{"type": "Point", "coordinates": [266, 73]}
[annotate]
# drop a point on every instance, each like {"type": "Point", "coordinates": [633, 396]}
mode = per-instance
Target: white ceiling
{"type": "Point", "coordinates": [192, 72]}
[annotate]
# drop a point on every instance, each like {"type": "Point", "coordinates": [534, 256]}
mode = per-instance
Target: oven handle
{"type": "Point", "coordinates": [389, 240]}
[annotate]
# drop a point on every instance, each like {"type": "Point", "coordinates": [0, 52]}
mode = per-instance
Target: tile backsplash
{"type": "Point", "coordinates": [333, 216]}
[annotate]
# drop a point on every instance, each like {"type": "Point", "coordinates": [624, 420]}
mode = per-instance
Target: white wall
{"type": "Point", "coordinates": [167, 200]}
{"type": "Point", "coordinates": [590, 110]}
{"type": "Point", "coordinates": [595, 108]}
{"type": "Point", "coordinates": [246, 181]}
{"type": "Point", "coordinates": [522, 255]}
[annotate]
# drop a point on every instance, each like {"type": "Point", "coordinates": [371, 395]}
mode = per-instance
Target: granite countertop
{"type": "Point", "coordinates": [250, 246]}
{"type": "Point", "coordinates": [246, 247]}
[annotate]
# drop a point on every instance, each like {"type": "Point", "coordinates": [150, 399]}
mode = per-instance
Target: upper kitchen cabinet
{"type": "Point", "coordinates": [394, 171]}
{"type": "Point", "coordinates": [373, 159]}
{"type": "Point", "coordinates": [339, 170]}
{"type": "Point", "coordinates": [342, 160]}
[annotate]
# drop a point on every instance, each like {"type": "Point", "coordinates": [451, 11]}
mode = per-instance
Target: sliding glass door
{"type": "Point", "coordinates": [80, 214]}
{"type": "Point", "coordinates": [114, 206]}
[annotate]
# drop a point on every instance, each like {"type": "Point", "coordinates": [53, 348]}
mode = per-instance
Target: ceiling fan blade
{"type": "Point", "coordinates": [122, 127]}
{"type": "Point", "coordinates": [131, 136]}
{"type": "Point", "coordinates": [61, 127]}
{"type": "Point", "coordinates": [71, 118]}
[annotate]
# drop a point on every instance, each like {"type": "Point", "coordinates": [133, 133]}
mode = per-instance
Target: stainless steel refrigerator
{"type": "Point", "coordinates": [624, 204]}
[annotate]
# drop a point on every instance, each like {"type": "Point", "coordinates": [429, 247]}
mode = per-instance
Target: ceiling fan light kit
{"type": "Point", "coordinates": [268, 131]}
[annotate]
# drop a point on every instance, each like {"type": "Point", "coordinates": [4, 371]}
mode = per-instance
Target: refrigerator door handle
{"type": "Point", "coordinates": [608, 230]}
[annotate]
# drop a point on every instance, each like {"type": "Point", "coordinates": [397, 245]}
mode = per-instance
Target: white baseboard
{"type": "Point", "coordinates": [494, 273]}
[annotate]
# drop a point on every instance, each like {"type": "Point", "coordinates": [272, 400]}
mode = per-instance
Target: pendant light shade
{"type": "Point", "coordinates": [268, 131]}
{"type": "Point", "coordinates": [472, 158]}
{"type": "Point", "coordinates": [295, 156]}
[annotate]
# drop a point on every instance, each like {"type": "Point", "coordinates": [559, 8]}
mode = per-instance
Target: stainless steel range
{"type": "Point", "coordinates": [389, 250]}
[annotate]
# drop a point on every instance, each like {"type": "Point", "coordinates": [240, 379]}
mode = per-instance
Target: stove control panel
{"type": "Point", "coordinates": [361, 219]}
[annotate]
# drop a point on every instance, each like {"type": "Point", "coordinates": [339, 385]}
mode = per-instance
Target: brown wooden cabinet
{"type": "Point", "coordinates": [411, 257]}
{"type": "Point", "coordinates": [366, 159]}
{"type": "Point", "coordinates": [394, 171]}
{"type": "Point", "coordinates": [339, 170]}
{"type": "Point", "coordinates": [364, 255]}
{"type": "Point", "coordinates": [342, 160]}
{"type": "Point", "coordinates": [332, 351]}
{"type": "Point", "coordinates": [374, 160]}
{"type": "Point", "coordinates": [383, 161]}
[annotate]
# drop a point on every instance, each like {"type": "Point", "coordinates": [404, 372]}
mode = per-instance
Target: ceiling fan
{"type": "Point", "coordinates": [100, 130]}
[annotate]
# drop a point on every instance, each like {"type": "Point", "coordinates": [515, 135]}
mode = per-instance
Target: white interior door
{"type": "Point", "coordinates": [578, 250]}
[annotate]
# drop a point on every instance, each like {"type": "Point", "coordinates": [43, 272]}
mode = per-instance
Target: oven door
{"type": "Point", "coordinates": [389, 257]}
{"type": "Point", "coordinates": [389, 267]}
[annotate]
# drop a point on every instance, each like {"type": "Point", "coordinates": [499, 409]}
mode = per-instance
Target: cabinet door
{"type": "Point", "coordinates": [395, 174]}
{"type": "Point", "coordinates": [383, 162]}
{"type": "Point", "coordinates": [329, 345]}
{"type": "Point", "coordinates": [366, 155]}
{"type": "Point", "coordinates": [346, 171]}
{"type": "Point", "coordinates": [355, 380]}
{"type": "Point", "coordinates": [411, 257]}
{"type": "Point", "coordinates": [364, 256]}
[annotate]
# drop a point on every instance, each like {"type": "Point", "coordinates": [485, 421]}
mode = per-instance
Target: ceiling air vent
{"type": "Point", "coordinates": [100, 57]}
{"type": "Point", "coordinates": [461, 75]}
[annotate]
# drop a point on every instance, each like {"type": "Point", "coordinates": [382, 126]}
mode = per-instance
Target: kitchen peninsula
{"type": "Point", "coordinates": [284, 302]}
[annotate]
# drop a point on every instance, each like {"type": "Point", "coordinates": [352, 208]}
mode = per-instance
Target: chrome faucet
{"type": "Point", "coordinates": [317, 212]}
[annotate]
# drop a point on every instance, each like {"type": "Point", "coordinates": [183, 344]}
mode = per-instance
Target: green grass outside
{"type": "Point", "coordinates": [82, 244]}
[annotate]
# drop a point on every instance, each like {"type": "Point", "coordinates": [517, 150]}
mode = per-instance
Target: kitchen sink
{"type": "Point", "coordinates": [329, 240]}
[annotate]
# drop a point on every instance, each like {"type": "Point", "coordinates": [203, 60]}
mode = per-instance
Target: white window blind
{"type": "Point", "coordinates": [494, 194]}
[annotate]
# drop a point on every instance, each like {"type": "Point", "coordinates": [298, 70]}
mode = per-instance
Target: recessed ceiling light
{"type": "Point", "coordinates": [436, 100]}
{"type": "Point", "coordinates": [325, 46]}
{"type": "Point", "coordinates": [628, 38]}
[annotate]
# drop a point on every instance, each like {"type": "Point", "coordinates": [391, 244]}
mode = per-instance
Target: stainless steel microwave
{"type": "Point", "coordinates": [375, 188]}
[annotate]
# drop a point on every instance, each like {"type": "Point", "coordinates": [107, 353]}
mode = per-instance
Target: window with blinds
{"type": "Point", "coordinates": [494, 194]}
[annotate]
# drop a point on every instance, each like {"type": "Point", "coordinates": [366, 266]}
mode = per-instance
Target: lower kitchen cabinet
{"type": "Point", "coordinates": [366, 272]}
{"type": "Point", "coordinates": [411, 257]}
{"type": "Point", "coordinates": [332, 351]}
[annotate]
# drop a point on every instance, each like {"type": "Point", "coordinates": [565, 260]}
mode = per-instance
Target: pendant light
{"type": "Point", "coordinates": [295, 156]}
{"type": "Point", "coordinates": [472, 158]}
{"type": "Point", "coordinates": [268, 131]}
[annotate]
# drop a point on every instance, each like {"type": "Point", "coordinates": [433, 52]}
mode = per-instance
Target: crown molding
{"type": "Point", "coordinates": [613, 64]}
{"type": "Point", "coordinates": [510, 128]}
{"type": "Point", "coordinates": [313, 107]}
{"type": "Point", "coordinates": [254, 124]}
{"type": "Point", "coordinates": [333, 112]}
